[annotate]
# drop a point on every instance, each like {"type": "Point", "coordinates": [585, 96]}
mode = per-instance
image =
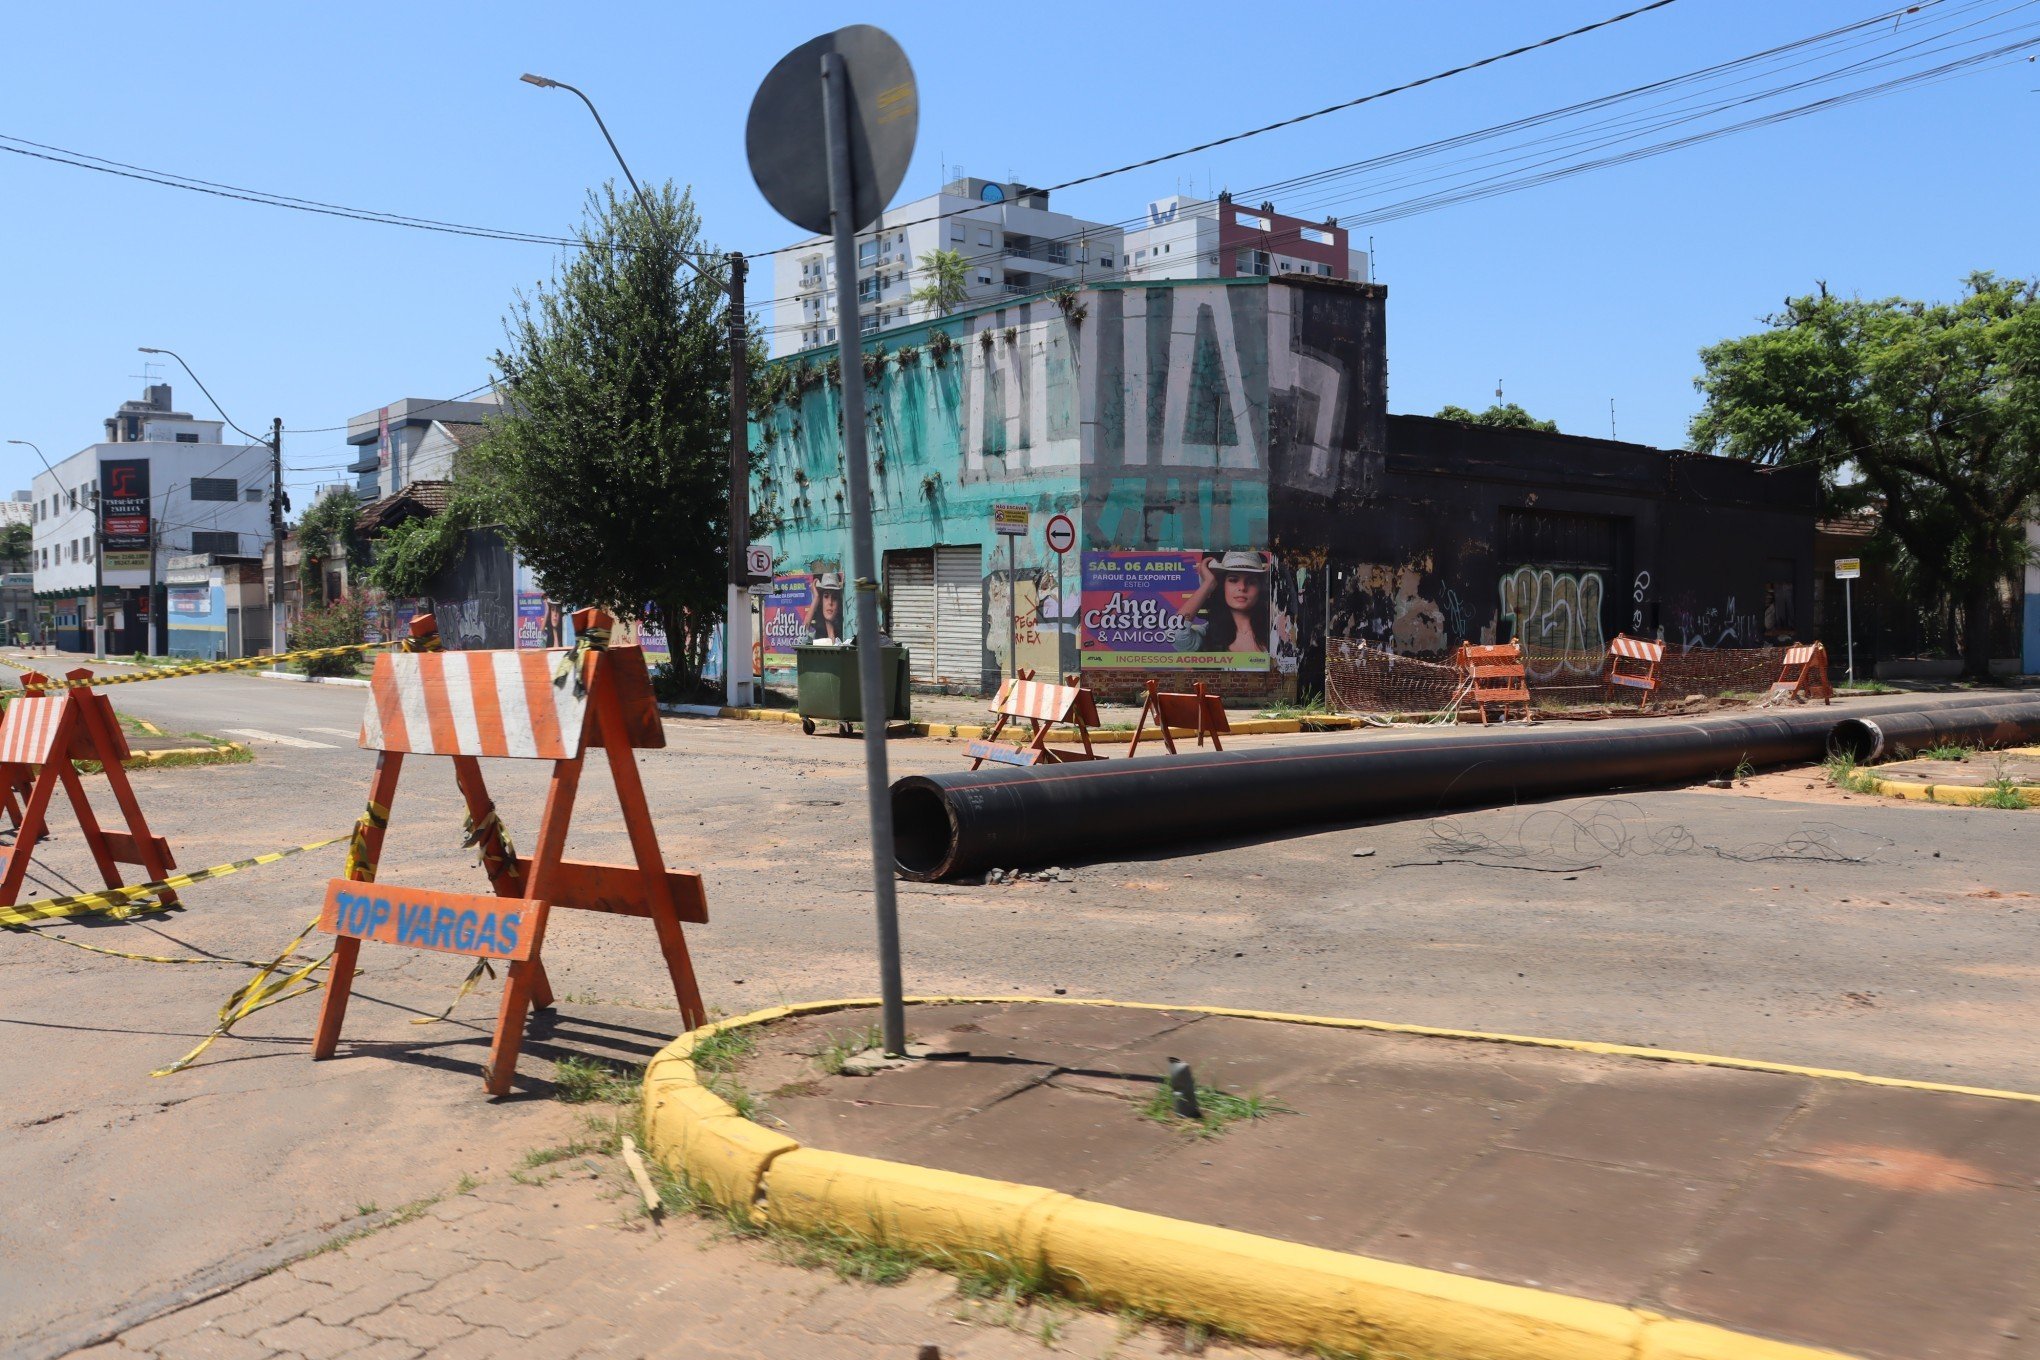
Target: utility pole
{"type": "Point", "coordinates": [98, 572]}
{"type": "Point", "coordinates": [737, 619]}
{"type": "Point", "coordinates": [276, 611]}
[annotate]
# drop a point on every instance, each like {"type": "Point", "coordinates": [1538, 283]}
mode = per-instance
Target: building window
{"type": "Point", "coordinates": [958, 231]}
{"type": "Point", "coordinates": [74, 550]}
{"type": "Point", "coordinates": [1325, 269]}
{"type": "Point", "coordinates": [1251, 262]}
{"type": "Point", "coordinates": [74, 498]}
{"type": "Point", "coordinates": [213, 489]}
{"type": "Point", "coordinates": [867, 251]}
{"type": "Point", "coordinates": [88, 550]}
{"type": "Point", "coordinates": [221, 542]}
{"type": "Point", "coordinates": [253, 495]}
{"type": "Point", "coordinates": [184, 437]}
{"type": "Point", "coordinates": [984, 236]}
{"type": "Point", "coordinates": [1105, 261]}
{"type": "Point", "coordinates": [1241, 219]}
{"type": "Point", "coordinates": [1317, 235]}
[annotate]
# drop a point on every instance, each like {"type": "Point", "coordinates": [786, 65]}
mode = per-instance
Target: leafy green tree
{"type": "Point", "coordinates": [608, 471]}
{"type": "Point", "coordinates": [326, 530]}
{"type": "Point", "coordinates": [1926, 412]}
{"type": "Point", "coordinates": [948, 281]}
{"type": "Point", "coordinates": [410, 555]}
{"type": "Point", "coordinates": [16, 543]}
{"type": "Point", "coordinates": [1506, 417]}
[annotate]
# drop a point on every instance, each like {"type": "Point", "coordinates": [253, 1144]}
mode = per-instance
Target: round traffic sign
{"type": "Point", "coordinates": [1062, 534]}
{"type": "Point", "coordinates": [787, 140]}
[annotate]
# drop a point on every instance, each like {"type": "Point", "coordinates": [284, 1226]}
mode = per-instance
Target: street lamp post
{"type": "Point", "coordinates": [277, 641]}
{"type": "Point", "coordinates": [737, 615]}
{"type": "Point", "coordinates": [98, 571]}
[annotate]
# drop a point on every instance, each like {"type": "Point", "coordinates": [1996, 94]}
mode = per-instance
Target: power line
{"type": "Point", "coordinates": [1433, 78]}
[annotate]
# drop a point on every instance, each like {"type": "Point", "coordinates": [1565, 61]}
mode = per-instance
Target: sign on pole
{"type": "Point", "coordinates": [124, 514]}
{"type": "Point", "coordinates": [830, 133]}
{"type": "Point", "coordinates": [1848, 568]}
{"type": "Point", "coordinates": [1010, 519]}
{"type": "Point", "coordinates": [758, 562]}
{"type": "Point", "coordinates": [1062, 534]}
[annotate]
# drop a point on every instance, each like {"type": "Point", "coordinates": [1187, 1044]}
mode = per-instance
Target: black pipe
{"type": "Point", "coordinates": [945, 825]}
{"type": "Point", "coordinates": [1999, 721]}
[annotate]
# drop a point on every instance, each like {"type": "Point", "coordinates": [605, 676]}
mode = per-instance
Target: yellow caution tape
{"type": "Point", "coordinates": [114, 899]}
{"type": "Point", "coordinates": [359, 866]}
{"type": "Point", "coordinates": [467, 985]}
{"type": "Point", "coordinates": [124, 954]}
{"type": "Point", "coordinates": [203, 667]}
{"type": "Point", "coordinates": [585, 641]}
{"type": "Point", "coordinates": [259, 993]}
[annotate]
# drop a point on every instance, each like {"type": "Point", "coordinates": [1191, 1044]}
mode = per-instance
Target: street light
{"type": "Point", "coordinates": [737, 614]}
{"type": "Point", "coordinates": [275, 442]}
{"type": "Point", "coordinates": [30, 443]}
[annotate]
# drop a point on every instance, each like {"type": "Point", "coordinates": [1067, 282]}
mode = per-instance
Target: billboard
{"type": "Point", "coordinates": [124, 513]}
{"type": "Point", "coordinates": [1204, 610]}
{"type": "Point", "coordinates": [784, 615]}
{"type": "Point", "coordinates": [191, 601]}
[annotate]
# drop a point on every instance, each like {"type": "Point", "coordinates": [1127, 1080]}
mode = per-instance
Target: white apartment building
{"type": "Point", "coordinates": [1013, 244]}
{"type": "Point", "coordinates": [202, 496]}
{"type": "Point", "coordinates": [413, 439]}
{"type": "Point", "coordinates": [1205, 238]}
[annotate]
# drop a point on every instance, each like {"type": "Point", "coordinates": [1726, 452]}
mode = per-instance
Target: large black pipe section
{"type": "Point", "coordinates": [1999, 721]}
{"type": "Point", "coordinates": [946, 825]}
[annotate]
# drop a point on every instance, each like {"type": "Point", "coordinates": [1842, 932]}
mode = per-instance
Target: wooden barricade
{"type": "Point", "coordinates": [1633, 664]}
{"type": "Point", "coordinates": [1043, 706]}
{"type": "Point", "coordinates": [1491, 676]}
{"type": "Point", "coordinates": [1803, 675]}
{"type": "Point", "coordinates": [40, 735]}
{"type": "Point", "coordinates": [1203, 712]}
{"type": "Point", "coordinates": [531, 705]}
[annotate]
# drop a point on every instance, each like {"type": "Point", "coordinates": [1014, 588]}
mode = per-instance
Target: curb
{"type": "Point", "coordinates": [1250, 727]}
{"type": "Point", "coordinates": [1255, 1287]}
{"type": "Point", "coordinates": [151, 757]}
{"type": "Point", "coordinates": [313, 679]}
{"type": "Point", "coordinates": [1959, 795]}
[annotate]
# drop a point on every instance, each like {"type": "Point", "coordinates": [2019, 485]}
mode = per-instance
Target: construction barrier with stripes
{"type": "Point", "coordinates": [1376, 683]}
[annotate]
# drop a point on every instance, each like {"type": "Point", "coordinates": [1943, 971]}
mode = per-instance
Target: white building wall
{"type": "Point", "coordinates": [61, 499]}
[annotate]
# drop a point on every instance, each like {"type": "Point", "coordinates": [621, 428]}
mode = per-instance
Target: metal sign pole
{"type": "Point", "coordinates": [836, 124]}
{"type": "Point", "coordinates": [1849, 612]}
{"type": "Point", "coordinates": [1012, 606]}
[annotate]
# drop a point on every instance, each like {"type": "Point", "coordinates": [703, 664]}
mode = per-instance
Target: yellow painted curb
{"type": "Point", "coordinates": [1256, 1287]}
{"type": "Point", "coordinates": [1958, 795]}
{"type": "Point", "coordinates": [150, 757]}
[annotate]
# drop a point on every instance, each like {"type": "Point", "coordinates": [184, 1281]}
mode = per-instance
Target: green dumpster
{"type": "Point", "coordinates": [826, 685]}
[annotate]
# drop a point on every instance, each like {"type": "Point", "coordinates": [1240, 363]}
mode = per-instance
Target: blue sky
{"type": "Point", "coordinates": [1569, 294]}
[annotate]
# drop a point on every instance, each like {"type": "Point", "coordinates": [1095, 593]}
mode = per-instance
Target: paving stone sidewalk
{"type": "Point", "coordinates": [568, 1266]}
{"type": "Point", "coordinates": [1881, 1221]}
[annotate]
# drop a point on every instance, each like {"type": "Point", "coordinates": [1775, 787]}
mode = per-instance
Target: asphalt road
{"type": "Point", "coordinates": [1780, 922]}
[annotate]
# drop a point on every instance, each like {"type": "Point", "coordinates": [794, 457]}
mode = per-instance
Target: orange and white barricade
{"type": "Point", "coordinates": [1803, 674]}
{"type": "Point", "coordinates": [1633, 664]}
{"type": "Point", "coordinates": [40, 736]}
{"type": "Point", "coordinates": [530, 705]}
{"type": "Point", "coordinates": [1491, 676]}
{"type": "Point", "coordinates": [1043, 706]}
{"type": "Point", "coordinates": [1196, 711]}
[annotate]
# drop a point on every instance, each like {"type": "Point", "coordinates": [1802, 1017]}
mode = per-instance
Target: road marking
{"type": "Point", "coordinates": [351, 733]}
{"type": "Point", "coordinates": [259, 735]}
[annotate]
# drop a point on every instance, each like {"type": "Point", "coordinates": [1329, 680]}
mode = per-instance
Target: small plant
{"type": "Point", "coordinates": [908, 356]}
{"type": "Point", "coordinates": [723, 1050]}
{"type": "Point", "coordinates": [539, 1157]}
{"type": "Point", "coordinates": [1012, 335]}
{"type": "Point", "coordinates": [1073, 312]}
{"type": "Point", "coordinates": [1743, 770]}
{"type": "Point", "coordinates": [465, 1184]}
{"type": "Point", "coordinates": [874, 364]}
{"type": "Point", "coordinates": [1308, 704]}
{"type": "Point", "coordinates": [582, 1081]}
{"type": "Point", "coordinates": [931, 485]}
{"type": "Point", "coordinates": [845, 1045]}
{"type": "Point", "coordinates": [939, 345]}
{"type": "Point", "coordinates": [366, 1209]}
{"type": "Point", "coordinates": [1945, 753]}
{"type": "Point", "coordinates": [855, 1260]}
{"type": "Point", "coordinates": [339, 624]}
{"type": "Point", "coordinates": [1844, 773]}
{"type": "Point", "coordinates": [769, 437]}
{"type": "Point", "coordinates": [1220, 1109]}
{"type": "Point", "coordinates": [2003, 791]}
{"type": "Point", "coordinates": [985, 340]}
{"type": "Point", "coordinates": [800, 476]}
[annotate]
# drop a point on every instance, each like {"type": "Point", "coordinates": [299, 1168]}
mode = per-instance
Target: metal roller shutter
{"type": "Point", "coordinates": [960, 617]}
{"type": "Point", "coordinates": [910, 591]}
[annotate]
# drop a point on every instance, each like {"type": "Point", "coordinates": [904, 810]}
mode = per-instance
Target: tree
{"type": "Point", "coordinates": [948, 281]}
{"type": "Point", "coordinates": [16, 545]}
{"type": "Point", "coordinates": [1927, 412]}
{"type": "Point", "coordinates": [322, 531]}
{"type": "Point", "coordinates": [608, 471]}
{"type": "Point", "coordinates": [1509, 417]}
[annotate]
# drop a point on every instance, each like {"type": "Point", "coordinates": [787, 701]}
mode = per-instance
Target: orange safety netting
{"type": "Point", "coordinates": [1376, 683]}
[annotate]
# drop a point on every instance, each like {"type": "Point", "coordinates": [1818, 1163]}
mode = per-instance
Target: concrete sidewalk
{"type": "Point", "coordinates": [1884, 1221]}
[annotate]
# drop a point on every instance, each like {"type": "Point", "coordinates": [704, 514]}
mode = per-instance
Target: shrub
{"type": "Point", "coordinates": [340, 624]}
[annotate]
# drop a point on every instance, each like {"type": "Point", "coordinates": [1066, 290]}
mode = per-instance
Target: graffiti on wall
{"type": "Point", "coordinates": [1556, 615]}
{"type": "Point", "coordinates": [1709, 626]}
